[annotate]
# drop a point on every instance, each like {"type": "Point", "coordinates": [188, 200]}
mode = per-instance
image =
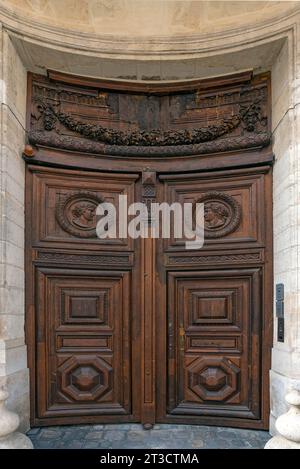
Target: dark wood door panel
{"type": "Point", "coordinates": [84, 342]}
{"type": "Point", "coordinates": [233, 204]}
{"type": "Point", "coordinates": [215, 304]}
{"type": "Point", "coordinates": [214, 328]}
{"type": "Point", "coordinates": [64, 204]}
{"type": "Point", "coordinates": [84, 320]}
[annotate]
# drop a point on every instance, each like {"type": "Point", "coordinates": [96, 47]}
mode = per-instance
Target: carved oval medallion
{"type": "Point", "coordinates": [222, 214]}
{"type": "Point", "coordinates": [76, 213]}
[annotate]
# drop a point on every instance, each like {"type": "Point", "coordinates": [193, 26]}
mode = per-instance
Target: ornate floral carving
{"type": "Point", "coordinates": [222, 214]}
{"type": "Point", "coordinates": [68, 142]}
{"type": "Point", "coordinates": [251, 115]}
{"type": "Point", "coordinates": [213, 259]}
{"type": "Point", "coordinates": [76, 213]}
{"type": "Point", "coordinates": [84, 258]}
{"type": "Point", "coordinates": [248, 115]}
{"type": "Point", "coordinates": [86, 120]}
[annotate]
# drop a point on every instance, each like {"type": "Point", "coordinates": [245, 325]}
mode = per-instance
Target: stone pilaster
{"type": "Point", "coordinates": [13, 357]}
{"type": "Point", "coordinates": [285, 372]}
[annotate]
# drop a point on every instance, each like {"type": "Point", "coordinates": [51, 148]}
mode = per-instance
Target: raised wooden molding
{"type": "Point", "coordinates": [153, 88]}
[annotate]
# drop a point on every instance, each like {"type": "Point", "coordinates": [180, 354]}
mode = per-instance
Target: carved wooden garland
{"type": "Point", "coordinates": [75, 213]}
{"type": "Point", "coordinates": [247, 115]}
{"type": "Point", "coordinates": [68, 142]}
{"type": "Point", "coordinates": [222, 214]}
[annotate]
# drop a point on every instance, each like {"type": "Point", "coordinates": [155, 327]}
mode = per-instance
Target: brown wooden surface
{"type": "Point", "coordinates": [145, 330]}
{"type": "Point", "coordinates": [218, 115]}
{"type": "Point", "coordinates": [85, 326]}
{"type": "Point", "coordinates": [153, 88]}
{"type": "Point", "coordinates": [218, 302]}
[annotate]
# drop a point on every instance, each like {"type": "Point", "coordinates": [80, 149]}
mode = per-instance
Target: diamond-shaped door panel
{"type": "Point", "coordinates": [213, 379]}
{"type": "Point", "coordinates": [85, 378]}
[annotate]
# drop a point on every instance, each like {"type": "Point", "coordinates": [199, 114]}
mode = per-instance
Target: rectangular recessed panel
{"type": "Point", "coordinates": [65, 204]}
{"type": "Point", "coordinates": [211, 305]}
{"type": "Point", "coordinates": [231, 208]}
{"type": "Point", "coordinates": [84, 343]}
{"type": "Point", "coordinates": [211, 308]}
{"type": "Point", "coordinates": [83, 307]}
{"type": "Point", "coordinates": [212, 343]}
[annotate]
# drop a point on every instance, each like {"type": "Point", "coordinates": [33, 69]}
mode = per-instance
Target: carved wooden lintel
{"type": "Point", "coordinates": [89, 119]}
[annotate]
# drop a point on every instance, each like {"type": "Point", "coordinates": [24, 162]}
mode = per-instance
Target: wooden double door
{"type": "Point", "coordinates": [145, 330]}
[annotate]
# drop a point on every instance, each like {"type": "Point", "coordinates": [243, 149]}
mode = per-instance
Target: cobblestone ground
{"type": "Point", "coordinates": [130, 436]}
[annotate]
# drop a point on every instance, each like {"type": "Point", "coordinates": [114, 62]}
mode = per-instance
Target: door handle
{"type": "Point", "coordinates": [181, 339]}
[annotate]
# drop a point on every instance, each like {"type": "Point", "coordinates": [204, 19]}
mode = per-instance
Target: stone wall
{"type": "Point", "coordinates": [13, 359]}
{"type": "Point", "coordinates": [134, 18]}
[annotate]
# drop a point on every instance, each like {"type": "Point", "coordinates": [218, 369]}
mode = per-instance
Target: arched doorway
{"type": "Point", "coordinates": [144, 330]}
